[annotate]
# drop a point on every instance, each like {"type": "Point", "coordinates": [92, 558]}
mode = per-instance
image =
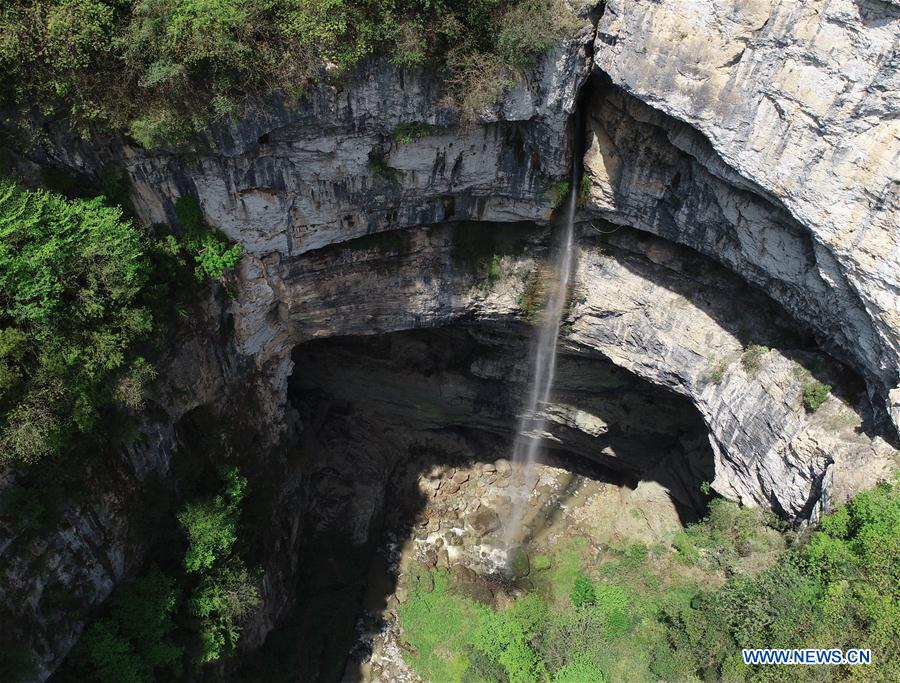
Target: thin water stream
{"type": "Point", "coordinates": [532, 421]}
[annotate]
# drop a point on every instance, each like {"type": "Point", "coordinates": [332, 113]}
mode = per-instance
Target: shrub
{"type": "Point", "coordinates": [211, 523]}
{"type": "Point", "coordinates": [163, 69]}
{"type": "Point", "coordinates": [406, 133]}
{"type": "Point", "coordinates": [138, 640]}
{"type": "Point", "coordinates": [579, 671]}
{"type": "Point", "coordinates": [814, 395]}
{"type": "Point", "coordinates": [223, 600]}
{"type": "Point", "coordinates": [211, 252]}
{"type": "Point", "coordinates": [751, 359]}
{"type": "Point", "coordinates": [226, 592]}
{"type": "Point", "coordinates": [531, 28]}
{"type": "Point", "coordinates": [71, 276]}
{"type": "Point", "coordinates": [476, 82]}
{"type": "Point", "coordinates": [582, 592]}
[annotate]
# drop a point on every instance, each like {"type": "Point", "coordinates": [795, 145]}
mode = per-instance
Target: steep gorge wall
{"type": "Point", "coordinates": [794, 105]}
{"type": "Point", "coordinates": [798, 203]}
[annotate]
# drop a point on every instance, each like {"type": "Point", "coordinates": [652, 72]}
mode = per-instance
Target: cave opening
{"type": "Point", "coordinates": [405, 438]}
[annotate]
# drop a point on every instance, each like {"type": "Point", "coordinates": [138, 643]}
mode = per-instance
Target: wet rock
{"type": "Point", "coordinates": [504, 469]}
{"type": "Point", "coordinates": [461, 477]}
{"type": "Point", "coordinates": [443, 558]}
{"type": "Point", "coordinates": [518, 563]}
{"type": "Point", "coordinates": [462, 574]}
{"type": "Point", "coordinates": [477, 591]}
{"type": "Point", "coordinates": [485, 521]}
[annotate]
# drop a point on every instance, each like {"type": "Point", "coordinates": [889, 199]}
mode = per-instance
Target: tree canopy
{"type": "Point", "coordinates": [70, 275]}
{"type": "Point", "coordinates": [161, 69]}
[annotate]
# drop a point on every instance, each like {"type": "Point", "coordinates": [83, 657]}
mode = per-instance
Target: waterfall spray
{"type": "Point", "coordinates": [533, 422]}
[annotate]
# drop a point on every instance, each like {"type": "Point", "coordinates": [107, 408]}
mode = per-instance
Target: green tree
{"type": "Point", "coordinates": [71, 273]}
{"type": "Point", "coordinates": [138, 640]}
{"type": "Point", "coordinates": [226, 591]}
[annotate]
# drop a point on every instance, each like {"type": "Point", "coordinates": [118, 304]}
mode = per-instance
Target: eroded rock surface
{"type": "Point", "coordinates": [799, 102]}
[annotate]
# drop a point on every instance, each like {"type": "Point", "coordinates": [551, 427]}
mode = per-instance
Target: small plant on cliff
{"type": "Point", "coordinates": [558, 193]}
{"type": "Point", "coordinates": [751, 359]}
{"type": "Point", "coordinates": [212, 253]}
{"type": "Point", "coordinates": [716, 371]}
{"type": "Point", "coordinates": [584, 192]}
{"type": "Point", "coordinates": [379, 167]}
{"type": "Point", "coordinates": [531, 298]}
{"type": "Point", "coordinates": [406, 133]}
{"type": "Point", "coordinates": [492, 268]}
{"type": "Point", "coordinates": [814, 395]}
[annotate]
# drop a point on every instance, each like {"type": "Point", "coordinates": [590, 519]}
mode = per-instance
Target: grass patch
{"type": "Point", "coordinates": [437, 626]}
{"type": "Point", "coordinates": [752, 358]}
{"type": "Point", "coordinates": [716, 371]}
{"type": "Point", "coordinates": [407, 133]}
{"type": "Point", "coordinates": [531, 299]}
{"type": "Point", "coordinates": [814, 395]}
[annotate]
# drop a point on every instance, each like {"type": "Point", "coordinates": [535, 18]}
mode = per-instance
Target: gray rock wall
{"type": "Point", "coordinates": [800, 100]}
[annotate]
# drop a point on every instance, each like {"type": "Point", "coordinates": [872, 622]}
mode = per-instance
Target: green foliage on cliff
{"type": "Point", "coordinates": [161, 69]}
{"type": "Point", "coordinates": [137, 642]}
{"type": "Point", "coordinates": [226, 592]}
{"type": "Point", "coordinates": [637, 615]}
{"type": "Point", "coordinates": [71, 276]}
{"type": "Point", "coordinates": [150, 632]}
{"type": "Point", "coordinates": [212, 253]}
{"type": "Point", "coordinates": [814, 395]}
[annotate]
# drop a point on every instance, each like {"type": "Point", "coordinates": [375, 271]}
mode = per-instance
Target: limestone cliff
{"type": "Point", "coordinates": [742, 189]}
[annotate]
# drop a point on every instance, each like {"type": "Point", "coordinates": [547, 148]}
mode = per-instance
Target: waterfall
{"type": "Point", "coordinates": [533, 422]}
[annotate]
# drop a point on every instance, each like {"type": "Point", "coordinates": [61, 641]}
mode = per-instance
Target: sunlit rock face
{"type": "Point", "coordinates": [794, 105]}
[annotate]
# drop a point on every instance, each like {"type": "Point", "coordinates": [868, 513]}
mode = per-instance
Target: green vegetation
{"type": "Point", "coordinates": [406, 133]}
{"type": "Point", "coordinates": [530, 28]}
{"type": "Point", "coordinates": [559, 192]}
{"type": "Point", "coordinates": [162, 69]}
{"type": "Point", "coordinates": [531, 300]}
{"type": "Point", "coordinates": [752, 357]}
{"type": "Point", "coordinates": [211, 252]}
{"type": "Point", "coordinates": [716, 371]}
{"type": "Point", "coordinates": [81, 292]}
{"type": "Point", "coordinates": [814, 395]}
{"type": "Point", "coordinates": [226, 591]}
{"type": "Point", "coordinates": [149, 632]}
{"type": "Point", "coordinates": [683, 614]}
{"type": "Point", "coordinates": [138, 639]}
{"type": "Point", "coordinates": [71, 276]}
{"type": "Point", "coordinates": [380, 167]}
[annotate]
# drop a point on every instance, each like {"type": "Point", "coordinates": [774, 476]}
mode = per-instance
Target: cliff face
{"type": "Point", "coordinates": [794, 105]}
{"type": "Point", "coordinates": [742, 177]}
